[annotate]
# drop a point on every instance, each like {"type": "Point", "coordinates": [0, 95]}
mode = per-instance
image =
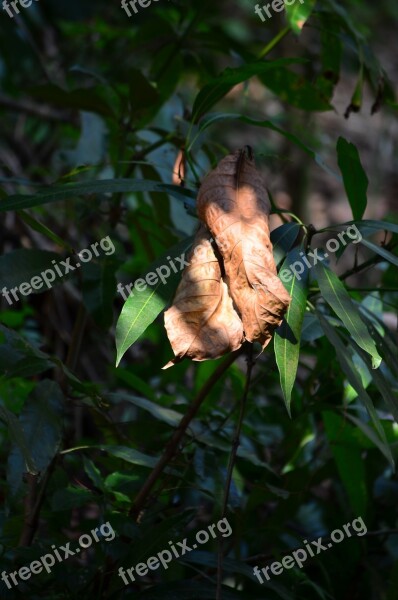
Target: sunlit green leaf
{"type": "Point", "coordinates": [335, 294]}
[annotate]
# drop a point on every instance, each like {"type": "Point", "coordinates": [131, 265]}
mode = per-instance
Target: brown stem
{"type": "Point", "coordinates": [374, 260]}
{"type": "Point", "coordinates": [33, 504]}
{"type": "Point", "coordinates": [31, 108]}
{"type": "Point", "coordinates": [231, 464]}
{"type": "Point", "coordinates": [172, 446]}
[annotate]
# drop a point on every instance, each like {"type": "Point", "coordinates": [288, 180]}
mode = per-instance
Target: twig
{"type": "Point", "coordinates": [373, 261]}
{"type": "Point", "coordinates": [33, 503]}
{"type": "Point", "coordinates": [30, 517]}
{"type": "Point", "coordinates": [172, 446]}
{"type": "Point", "coordinates": [231, 463]}
{"type": "Point", "coordinates": [31, 108]}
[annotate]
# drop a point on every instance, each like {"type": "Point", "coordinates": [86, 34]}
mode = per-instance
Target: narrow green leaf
{"type": "Point", "coordinates": [162, 413]}
{"type": "Point", "coordinates": [366, 430]}
{"type": "Point", "coordinates": [44, 230]}
{"type": "Point", "coordinates": [215, 118]}
{"type": "Point", "coordinates": [130, 455]}
{"type": "Point", "coordinates": [389, 256]}
{"type": "Point", "coordinates": [93, 473]}
{"type": "Point", "coordinates": [348, 457]}
{"type": "Point", "coordinates": [298, 13]}
{"type": "Point", "coordinates": [297, 89]}
{"type": "Point", "coordinates": [67, 191]}
{"type": "Point", "coordinates": [365, 223]}
{"type": "Point", "coordinates": [384, 387]}
{"type": "Point", "coordinates": [354, 177]}
{"type": "Point", "coordinates": [283, 238]}
{"type": "Point", "coordinates": [331, 53]}
{"type": "Point", "coordinates": [142, 308]}
{"type": "Point", "coordinates": [350, 372]}
{"type": "Point", "coordinates": [287, 336]}
{"type": "Point", "coordinates": [335, 294]}
{"type": "Point", "coordinates": [218, 87]}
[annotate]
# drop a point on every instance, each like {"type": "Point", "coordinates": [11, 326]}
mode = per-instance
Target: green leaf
{"type": "Point", "coordinates": [381, 251]}
{"type": "Point", "coordinates": [354, 177]}
{"type": "Point", "coordinates": [215, 118]}
{"type": "Point", "coordinates": [331, 54]}
{"type": "Point", "coordinates": [41, 421]}
{"type": "Point", "coordinates": [365, 223]}
{"type": "Point", "coordinates": [67, 191]}
{"type": "Point", "coordinates": [162, 413]}
{"type": "Point", "coordinates": [383, 386]}
{"type": "Point", "coordinates": [20, 359]}
{"type": "Point", "coordinates": [348, 457]}
{"type": "Point", "coordinates": [335, 294]}
{"type": "Point", "coordinates": [18, 438]}
{"type": "Point", "coordinates": [218, 87]}
{"type": "Point", "coordinates": [287, 336]}
{"type": "Point", "coordinates": [93, 473]}
{"type": "Point", "coordinates": [142, 308]}
{"type": "Point", "coordinates": [298, 13]}
{"type": "Point", "coordinates": [45, 231]}
{"type": "Point", "coordinates": [297, 90]}
{"type": "Point", "coordinates": [99, 287]}
{"type": "Point", "coordinates": [130, 455]}
{"type": "Point", "coordinates": [20, 266]}
{"type": "Point", "coordinates": [134, 382]}
{"type": "Point", "coordinates": [366, 429]}
{"type": "Point", "coordinates": [283, 238]}
{"type": "Point", "coordinates": [350, 372]}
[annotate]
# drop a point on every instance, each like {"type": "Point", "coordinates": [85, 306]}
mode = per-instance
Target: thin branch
{"type": "Point", "coordinates": [33, 503]}
{"type": "Point", "coordinates": [172, 446]}
{"type": "Point", "coordinates": [36, 110]}
{"type": "Point", "coordinates": [231, 464]}
{"type": "Point", "coordinates": [373, 261]}
{"type": "Point", "coordinates": [29, 526]}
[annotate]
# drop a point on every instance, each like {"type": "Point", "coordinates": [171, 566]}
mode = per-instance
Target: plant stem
{"type": "Point", "coordinates": [231, 464]}
{"type": "Point", "coordinates": [274, 42]}
{"type": "Point", "coordinates": [172, 446]}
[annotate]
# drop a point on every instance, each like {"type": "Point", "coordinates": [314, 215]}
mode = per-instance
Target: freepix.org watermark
{"type": "Point", "coordinates": [164, 557]}
{"type": "Point", "coordinates": [14, 4]}
{"type": "Point", "coordinates": [132, 4]}
{"type": "Point", "coordinates": [297, 268]}
{"type": "Point", "coordinates": [275, 6]}
{"type": "Point", "coordinates": [104, 532]}
{"type": "Point", "coordinates": [48, 276]}
{"type": "Point", "coordinates": [299, 556]}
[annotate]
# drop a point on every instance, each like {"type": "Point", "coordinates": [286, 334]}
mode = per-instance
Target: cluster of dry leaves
{"type": "Point", "coordinates": [230, 292]}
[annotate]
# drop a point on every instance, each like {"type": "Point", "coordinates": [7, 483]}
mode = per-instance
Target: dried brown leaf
{"type": "Point", "coordinates": [202, 323]}
{"type": "Point", "coordinates": [233, 203]}
{"type": "Point", "coordinates": [178, 177]}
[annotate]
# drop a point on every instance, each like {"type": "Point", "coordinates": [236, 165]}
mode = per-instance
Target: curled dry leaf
{"type": "Point", "coordinates": [202, 322]}
{"type": "Point", "coordinates": [178, 177]}
{"type": "Point", "coordinates": [233, 203]}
